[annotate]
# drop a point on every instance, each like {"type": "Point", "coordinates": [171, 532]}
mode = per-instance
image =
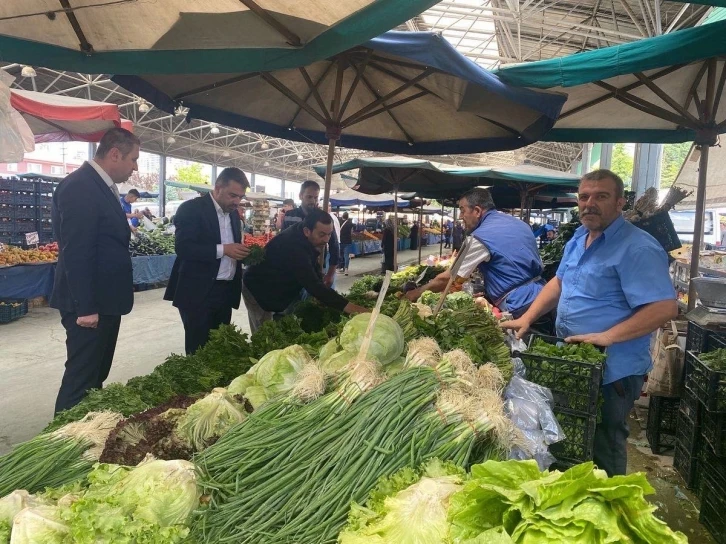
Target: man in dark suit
{"type": "Point", "coordinates": [93, 284]}
{"type": "Point", "coordinates": [206, 281]}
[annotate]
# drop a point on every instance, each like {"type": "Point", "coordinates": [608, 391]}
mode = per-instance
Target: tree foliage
{"type": "Point", "coordinates": [673, 157]}
{"type": "Point", "coordinates": [191, 174]}
{"type": "Point", "coordinates": [622, 163]}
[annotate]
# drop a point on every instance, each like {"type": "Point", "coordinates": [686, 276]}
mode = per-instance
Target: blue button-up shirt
{"type": "Point", "coordinates": [608, 282]}
{"type": "Point", "coordinates": [127, 209]}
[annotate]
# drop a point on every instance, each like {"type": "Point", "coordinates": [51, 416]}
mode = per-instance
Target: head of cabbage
{"type": "Point", "coordinates": [387, 341]}
{"type": "Point", "coordinates": [277, 371]}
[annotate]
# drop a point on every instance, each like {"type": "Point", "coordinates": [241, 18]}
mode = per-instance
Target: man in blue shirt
{"type": "Point", "coordinates": [126, 201]}
{"type": "Point", "coordinates": [612, 289]}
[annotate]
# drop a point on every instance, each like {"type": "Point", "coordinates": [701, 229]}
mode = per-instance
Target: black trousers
{"type": "Point", "coordinates": [90, 354]}
{"type": "Point", "coordinates": [198, 322]}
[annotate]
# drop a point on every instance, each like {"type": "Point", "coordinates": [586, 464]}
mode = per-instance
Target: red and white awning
{"type": "Point", "coordinates": [56, 118]}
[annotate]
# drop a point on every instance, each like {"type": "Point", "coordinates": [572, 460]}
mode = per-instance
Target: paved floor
{"type": "Point", "coordinates": [32, 350]}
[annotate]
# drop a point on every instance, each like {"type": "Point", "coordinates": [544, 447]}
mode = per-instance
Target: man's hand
{"type": "Point", "coordinates": [351, 308]}
{"type": "Point", "coordinates": [87, 321]}
{"type": "Point", "coordinates": [601, 339]}
{"type": "Point", "coordinates": [520, 326]}
{"type": "Point", "coordinates": [329, 277]}
{"type": "Point", "coordinates": [236, 251]}
{"type": "Point", "coordinates": [414, 294]}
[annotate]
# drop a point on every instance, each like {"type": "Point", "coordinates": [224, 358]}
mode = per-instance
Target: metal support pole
{"type": "Point", "coordinates": [214, 174]}
{"type": "Point", "coordinates": [282, 187]}
{"type": "Point", "coordinates": [698, 226]}
{"type": "Point", "coordinates": [253, 182]}
{"type": "Point", "coordinates": [441, 233]}
{"type": "Point", "coordinates": [420, 231]}
{"type": "Point", "coordinates": [162, 185]}
{"type": "Point", "coordinates": [395, 228]}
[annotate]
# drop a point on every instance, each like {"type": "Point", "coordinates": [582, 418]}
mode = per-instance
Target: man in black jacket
{"type": "Point", "coordinates": [290, 265]}
{"type": "Point", "coordinates": [309, 200]}
{"type": "Point", "coordinates": [206, 280]}
{"type": "Point", "coordinates": [93, 284]}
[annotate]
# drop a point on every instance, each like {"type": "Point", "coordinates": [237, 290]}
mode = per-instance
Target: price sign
{"type": "Point", "coordinates": [32, 238]}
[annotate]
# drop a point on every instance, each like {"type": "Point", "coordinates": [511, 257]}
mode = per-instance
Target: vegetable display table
{"type": "Point", "coordinates": [27, 281]}
{"type": "Point", "coordinates": [152, 268]}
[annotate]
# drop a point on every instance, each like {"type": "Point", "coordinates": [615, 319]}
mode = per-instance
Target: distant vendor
{"type": "Point", "coordinates": [126, 201]}
{"type": "Point", "coordinates": [290, 265]}
{"type": "Point", "coordinates": [504, 250]}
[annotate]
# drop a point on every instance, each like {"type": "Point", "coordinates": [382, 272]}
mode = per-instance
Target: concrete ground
{"type": "Point", "coordinates": [32, 350]}
{"type": "Point", "coordinates": [32, 354]}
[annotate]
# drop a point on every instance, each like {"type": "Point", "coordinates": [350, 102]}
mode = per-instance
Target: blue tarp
{"type": "Point", "coordinates": [152, 269]}
{"type": "Point", "coordinates": [27, 281]}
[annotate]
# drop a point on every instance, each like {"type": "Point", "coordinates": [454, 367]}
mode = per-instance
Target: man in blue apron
{"type": "Point", "coordinates": [504, 250]}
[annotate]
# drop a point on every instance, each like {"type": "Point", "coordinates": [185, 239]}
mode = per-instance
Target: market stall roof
{"type": "Point", "coordinates": [351, 197]}
{"type": "Point", "coordinates": [208, 189]}
{"type": "Point", "coordinates": [650, 90]}
{"type": "Point", "coordinates": [58, 118]}
{"type": "Point", "coordinates": [715, 183]}
{"type": "Point", "coordinates": [203, 37]}
{"type": "Point", "coordinates": [436, 180]}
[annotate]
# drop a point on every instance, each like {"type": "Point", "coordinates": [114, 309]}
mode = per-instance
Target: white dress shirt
{"type": "Point", "coordinates": [228, 266]}
{"type": "Point", "coordinates": [106, 178]}
{"type": "Point", "coordinates": [476, 254]}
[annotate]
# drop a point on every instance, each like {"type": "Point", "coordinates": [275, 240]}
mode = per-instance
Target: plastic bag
{"type": "Point", "coordinates": [12, 145]}
{"type": "Point", "coordinates": [529, 407]}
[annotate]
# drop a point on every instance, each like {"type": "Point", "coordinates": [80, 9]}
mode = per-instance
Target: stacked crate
{"type": "Point", "coordinates": [575, 386]}
{"type": "Point", "coordinates": [702, 429]}
{"type": "Point", "coordinates": [25, 207]}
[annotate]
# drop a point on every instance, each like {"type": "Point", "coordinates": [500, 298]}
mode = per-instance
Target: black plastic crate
{"type": "Point", "coordinates": [6, 184]}
{"type": "Point", "coordinates": [44, 200]}
{"type": "Point", "coordinates": [24, 186]}
{"type": "Point", "coordinates": [24, 225]}
{"type": "Point", "coordinates": [713, 505]}
{"type": "Point", "coordinates": [690, 405]}
{"type": "Point", "coordinates": [45, 212]}
{"type": "Point", "coordinates": [700, 339]}
{"type": "Point", "coordinates": [710, 385]}
{"type": "Point", "coordinates": [24, 212]}
{"type": "Point", "coordinates": [46, 187]}
{"type": "Point", "coordinates": [12, 309]}
{"type": "Point", "coordinates": [687, 465]}
{"type": "Point", "coordinates": [575, 385]}
{"type": "Point", "coordinates": [688, 429]}
{"type": "Point", "coordinates": [24, 199]}
{"type": "Point", "coordinates": [713, 430]}
{"type": "Point", "coordinates": [662, 421]}
{"type": "Point", "coordinates": [660, 226]}
{"type": "Point", "coordinates": [7, 198]}
{"type": "Point", "coordinates": [7, 212]}
{"type": "Point", "coordinates": [578, 445]}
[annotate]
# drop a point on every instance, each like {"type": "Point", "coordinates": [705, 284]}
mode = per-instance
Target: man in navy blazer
{"type": "Point", "coordinates": [93, 284]}
{"type": "Point", "coordinates": [206, 280]}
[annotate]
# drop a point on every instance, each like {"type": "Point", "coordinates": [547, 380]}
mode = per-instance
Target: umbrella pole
{"type": "Point", "coordinates": [328, 173]}
{"type": "Point", "coordinates": [698, 226]}
{"type": "Point", "coordinates": [420, 230]}
{"type": "Point", "coordinates": [395, 228]}
{"type": "Point", "coordinates": [441, 233]}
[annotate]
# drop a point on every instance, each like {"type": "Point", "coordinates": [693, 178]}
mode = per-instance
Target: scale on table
{"type": "Point", "coordinates": [712, 296]}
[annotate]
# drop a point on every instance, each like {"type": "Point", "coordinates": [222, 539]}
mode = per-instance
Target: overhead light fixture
{"type": "Point", "coordinates": [300, 157]}
{"type": "Point", "coordinates": [264, 145]}
{"type": "Point", "coordinates": [171, 140]}
{"type": "Point", "coordinates": [225, 153]}
{"type": "Point", "coordinates": [266, 163]}
{"type": "Point", "coordinates": [143, 107]}
{"type": "Point", "coordinates": [214, 129]}
{"type": "Point", "coordinates": [28, 71]}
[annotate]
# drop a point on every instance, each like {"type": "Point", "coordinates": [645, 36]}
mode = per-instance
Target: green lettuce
{"type": "Point", "coordinates": [39, 525]}
{"type": "Point", "coordinates": [277, 371]}
{"type": "Point", "coordinates": [409, 507]}
{"type": "Point", "coordinates": [387, 342]}
{"type": "Point", "coordinates": [209, 418]}
{"type": "Point", "coordinates": [579, 506]}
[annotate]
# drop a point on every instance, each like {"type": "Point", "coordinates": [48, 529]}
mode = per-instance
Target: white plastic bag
{"type": "Point", "coordinates": [12, 146]}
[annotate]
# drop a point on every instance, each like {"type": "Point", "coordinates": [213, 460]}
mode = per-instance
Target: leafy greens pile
{"type": "Point", "coordinates": [585, 353]}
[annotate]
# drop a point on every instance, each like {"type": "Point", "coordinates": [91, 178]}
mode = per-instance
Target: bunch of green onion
{"type": "Point", "coordinates": [292, 479]}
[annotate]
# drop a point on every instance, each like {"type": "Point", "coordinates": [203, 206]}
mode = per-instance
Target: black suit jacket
{"type": "Point", "coordinates": [196, 267]}
{"type": "Point", "coordinates": [94, 274]}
